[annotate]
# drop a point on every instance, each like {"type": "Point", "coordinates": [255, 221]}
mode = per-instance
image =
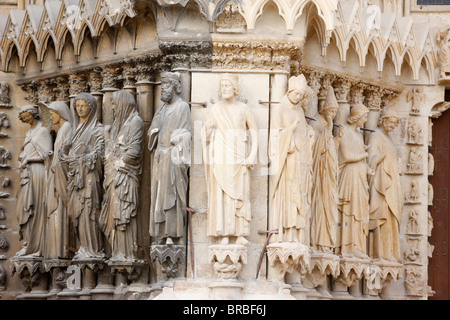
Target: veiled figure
{"type": "Point", "coordinates": [123, 167]}
{"type": "Point", "coordinates": [290, 154]}
{"type": "Point", "coordinates": [443, 41]}
{"type": "Point", "coordinates": [324, 212]}
{"type": "Point", "coordinates": [386, 197]}
{"type": "Point", "coordinates": [33, 162]}
{"type": "Point", "coordinates": [82, 157]}
{"type": "Point", "coordinates": [58, 237]}
{"type": "Point", "coordinates": [169, 140]}
{"type": "Point", "coordinates": [353, 203]}
{"type": "Point", "coordinates": [228, 155]}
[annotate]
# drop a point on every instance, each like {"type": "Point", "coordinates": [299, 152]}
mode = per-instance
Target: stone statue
{"type": "Point", "coordinates": [414, 164]}
{"type": "Point", "coordinates": [353, 194]}
{"type": "Point", "coordinates": [169, 141]}
{"type": "Point", "coordinates": [413, 224]}
{"type": "Point", "coordinates": [324, 213]}
{"type": "Point", "coordinates": [385, 192]}
{"type": "Point", "coordinates": [82, 157]}
{"type": "Point", "coordinates": [33, 160]}
{"type": "Point", "coordinates": [4, 92]}
{"type": "Point", "coordinates": [443, 41]}
{"type": "Point", "coordinates": [290, 153]}
{"type": "Point", "coordinates": [227, 164]}
{"type": "Point", "coordinates": [123, 167]}
{"type": "Point", "coordinates": [418, 99]}
{"type": "Point", "coordinates": [57, 223]}
{"type": "Point", "coordinates": [414, 132]}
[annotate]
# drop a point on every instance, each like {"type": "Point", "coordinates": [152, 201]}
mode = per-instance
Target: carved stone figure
{"type": "Point", "coordinates": [4, 123]}
{"type": "Point", "coordinates": [227, 164]}
{"type": "Point", "coordinates": [413, 195]}
{"type": "Point", "coordinates": [4, 92]}
{"type": "Point", "coordinates": [57, 222]}
{"type": "Point", "coordinates": [5, 155]}
{"type": "Point", "coordinates": [414, 164]}
{"type": "Point", "coordinates": [430, 164]}
{"type": "Point", "coordinates": [414, 132]}
{"type": "Point", "coordinates": [123, 155]}
{"type": "Point", "coordinates": [169, 140]}
{"type": "Point", "coordinates": [324, 213]}
{"type": "Point", "coordinates": [82, 157]}
{"type": "Point", "coordinates": [33, 158]}
{"type": "Point", "coordinates": [353, 203]}
{"type": "Point", "coordinates": [385, 192]}
{"type": "Point", "coordinates": [290, 153]}
{"type": "Point", "coordinates": [413, 225]}
{"type": "Point", "coordinates": [417, 96]}
{"type": "Point", "coordinates": [443, 41]}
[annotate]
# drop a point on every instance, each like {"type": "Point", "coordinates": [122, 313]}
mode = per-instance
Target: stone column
{"type": "Point", "coordinates": [77, 84]}
{"type": "Point", "coordinates": [95, 81]}
{"type": "Point", "coordinates": [109, 85]}
{"type": "Point", "coordinates": [373, 103]}
{"type": "Point", "coordinates": [342, 89]}
{"type": "Point", "coordinates": [314, 82]}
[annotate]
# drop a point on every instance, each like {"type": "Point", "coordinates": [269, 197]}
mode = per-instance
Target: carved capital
{"type": "Point", "coordinates": [374, 97]}
{"type": "Point", "coordinates": [171, 257]}
{"type": "Point", "coordinates": [357, 93]}
{"type": "Point", "coordinates": [227, 259]}
{"type": "Point", "coordinates": [342, 89]}
{"type": "Point", "coordinates": [77, 84]}
{"type": "Point", "coordinates": [288, 256]}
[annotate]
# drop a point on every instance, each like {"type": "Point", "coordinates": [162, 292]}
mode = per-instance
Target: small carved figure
{"type": "Point", "coordinates": [4, 92]}
{"type": "Point", "coordinates": [430, 194]}
{"type": "Point", "coordinates": [4, 123]}
{"type": "Point", "coordinates": [290, 155]}
{"type": "Point", "coordinates": [417, 96]}
{"type": "Point", "coordinates": [414, 164]}
{"type": "Point", "coordinates": [57, 227]}
{"type": "Point", "coordinates": [2, 213]}
{"type": "Point", "coordinates": [353, 203]}
{"type": "Point", "coordinates": [412, 253]}
{"type": "Point", "coordinates": [430, 223]}
{"type": "Point", "coordinates": [324, 212]}
{"type": "Point", "coordinates": [385, 192]}
{"type": "Point", "coordinates": [5, 155]}
{"type": "Point", "coordinates": [413, 195]}
{"type": "Point", "coordinates": [82, 158]}
{"type": "Point", "coordinates": [169, 140]}
{"type": "Point", "coordinates": [443, 41]}
{"type": "Point", "coordinates": [413, 224]}
{"type": "Point", "coordinates": [4, 245]}
{"type": "Point", "coordinates": [227, 164]}
{"type": "Point", "coordinates": [123, 155]}
{"type": "Point", "coordinates": [33, 159]}
{"type": "Point", "coordinates": [414, 132]}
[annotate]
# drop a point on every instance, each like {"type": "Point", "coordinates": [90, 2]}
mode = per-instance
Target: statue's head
{"type": "Point", "coordinates": [170, 85]}
{"type": "Point", "coordinates": [229, 85]}
{"type": "Point", "coordinates": [389, 120]}
{"type": "Point", "coordinates": [330, 106]}
{"type": "Point", "coordinates": [59, 110]}
{"type": "Point", "coordinates": [358, 114]}
{"type": "Point", "coordinates": [299, 91]}
{"type": "Point", "coordinates": [85, 104]}
{"type": "Point", "coordinates": [29, 113]}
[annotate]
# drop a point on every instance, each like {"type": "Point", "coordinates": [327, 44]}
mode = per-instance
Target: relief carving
{"type": "Point", "coordinates": [443, 41]}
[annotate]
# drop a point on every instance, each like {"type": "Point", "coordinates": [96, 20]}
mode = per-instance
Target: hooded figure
{"type": "Point", "coordinates": [123, 168]}
{"type": "Point", "coordinates": [290, 153]}
{"type": "Point", "coordinates": [33, 160]}
{"type": "Point", "coordinates": [57, 233]}
{"type": "Point", "coordinates": [82, 157]}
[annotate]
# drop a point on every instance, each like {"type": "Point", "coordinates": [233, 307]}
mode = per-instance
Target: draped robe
{"type": "Point", "coordinates": [30, 210]}
{"type": "Point", "coordinates": [57, 234]}
{"type": "Point", "coordinates": [121, 184]}
{"type": "Point", "coordinates": [169, 140]}
{"type": "Point", "coordinates": [84, 164]}
{"type": "Point", "coordinates": [226, 147]}
{"type": "Point", "coordinates": [324, 213]}
{"type": "Point", "coordinates": [290, 153]}
{"type": "Point", "coordinates": [353, 203]}
{"type": "Point", "coordinates": [385, 199]}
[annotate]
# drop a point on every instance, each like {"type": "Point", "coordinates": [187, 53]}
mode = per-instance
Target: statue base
{"type": "Point", "coordinates": [31, 272]}
{"type": "Point", "coordinates": [352, 270]}
{"type": "Point", "coordinates": [227, 260]}
{"type": "Point", "coordinates": [171, 258]}
{"type": "Point", "coordinates": [322, 265]}
{"type": "Point", "coordinates": [284, 257]}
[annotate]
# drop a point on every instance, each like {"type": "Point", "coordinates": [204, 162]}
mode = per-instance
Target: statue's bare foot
{"type": "Point", "coordinates": [242, 241]}
{"type": "Point", "coordinates": [224, 240]}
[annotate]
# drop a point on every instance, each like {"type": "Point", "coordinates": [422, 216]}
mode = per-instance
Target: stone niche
{"type": "Point", "coordinates": [253, 87]}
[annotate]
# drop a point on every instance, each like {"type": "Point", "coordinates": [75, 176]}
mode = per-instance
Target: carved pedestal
{"type": "Point", "coordinates": [89, 269]}
{"type": "Point", "coordinates": [32, 274]}
{"type": "Point", "coordinates": [322, 265]}
{"type": "Point", "coordinates": [58, 275]}
{"type": "Point", "coordinates": [227, 259]}
{"type": "Point", "coordinates": [380, 274]}
{"type": "Point", "coordinates": [126, 273]}
{"type": "Point", "coordinates": [346, 286]}
{"type": "Point", "coordinates": [172, 259]}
